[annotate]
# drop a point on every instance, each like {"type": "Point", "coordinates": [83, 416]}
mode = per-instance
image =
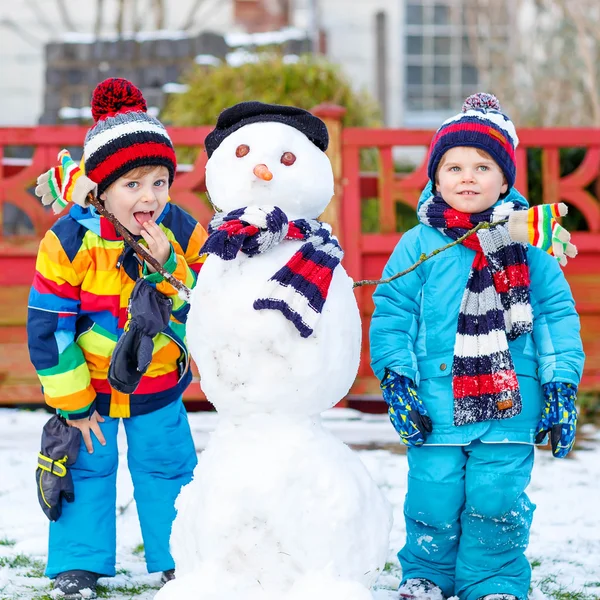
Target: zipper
{"type": "Point", "coordinates": [181, 345]}
{"type": "Point", "coordinates": [121, 257]}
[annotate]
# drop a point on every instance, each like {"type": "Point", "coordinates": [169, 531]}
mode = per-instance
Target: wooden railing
{"type": "Point", "coordinates": [19, 236]}
{"type": "Point", "coordinates": [365, 253]}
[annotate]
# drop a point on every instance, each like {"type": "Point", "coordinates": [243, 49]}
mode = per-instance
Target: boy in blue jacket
{"type": "Point", "coordinates": [479, 356]}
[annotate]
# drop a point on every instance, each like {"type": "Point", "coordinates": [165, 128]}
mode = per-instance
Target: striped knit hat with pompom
{"type": "Point", "coordinates": [482, 125]}
{"type": "Point", "coordinates": [124, 136]}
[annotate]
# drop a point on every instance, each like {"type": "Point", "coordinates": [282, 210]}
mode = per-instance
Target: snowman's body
{"type": "Point", "coordinates": [256, 359]}
{"type": "Point", "coordinates": [278, 508]}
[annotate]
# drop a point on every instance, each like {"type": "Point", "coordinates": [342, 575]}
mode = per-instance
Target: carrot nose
{"type": "Point", "coordinates": [262, 172]}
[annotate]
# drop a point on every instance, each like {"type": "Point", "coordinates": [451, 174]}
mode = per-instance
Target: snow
{"type": "Point", "coordinates": [85, 112]}
{"type": "Point", "coordinates": [240, 57]}
{"type": "Point", "coordinates": [70, 112]}
{"type": "Point", "coordinates": [312, 522]}
{"type": "Point", "coordinates": [565, 539]}
{"type": "Point", "coordinates": [207, 59]}
{"type": "Point", "coordinates": [73, 37]}
{"type": "Point", "coordinates": [301, 191]}
{"type": "Point", "coordinates": [175, 88]}
{"type": "Point", "coordinates": [266, 38]}
{"type": "Point", "coordinates": [413, 586]}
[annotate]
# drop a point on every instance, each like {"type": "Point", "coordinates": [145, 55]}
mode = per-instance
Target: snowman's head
{"type": "Point", "coordinates": [270, 163]}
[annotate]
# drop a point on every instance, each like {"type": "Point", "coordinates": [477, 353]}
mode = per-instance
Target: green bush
{"type": "Point", "coordinates": [305, 83]}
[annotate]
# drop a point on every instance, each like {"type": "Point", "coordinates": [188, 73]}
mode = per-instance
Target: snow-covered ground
{"type": "Point", "coordinates": [565, 539]}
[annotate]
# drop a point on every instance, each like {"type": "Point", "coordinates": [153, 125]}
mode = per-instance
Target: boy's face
{"type": "Point", "coordinates": [469, 179]}
{"type": "Point", "coordinates": [138, 196]}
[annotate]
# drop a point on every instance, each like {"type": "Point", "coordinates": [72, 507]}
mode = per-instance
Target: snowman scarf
{"type": "Point", "coordinates": [299, 289]}
{"type": "Point", "coordinates": [495, 308]}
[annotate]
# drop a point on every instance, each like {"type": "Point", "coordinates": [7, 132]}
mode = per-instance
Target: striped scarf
{"type": "Point", "coordinates": [495, 308]}
{"type": "Point", "coordinates": [299, 289]}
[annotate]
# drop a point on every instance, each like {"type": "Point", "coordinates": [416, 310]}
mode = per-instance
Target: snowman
{"type": "Point", "coordinates": [278, 508]}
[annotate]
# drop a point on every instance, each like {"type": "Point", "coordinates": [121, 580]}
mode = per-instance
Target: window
{"type": "Point", "coordinates": [414, 14]}
{"type": "Point", "coordinates": [414, 45]}
{"type": "Point", "coordinates": [440, 68]}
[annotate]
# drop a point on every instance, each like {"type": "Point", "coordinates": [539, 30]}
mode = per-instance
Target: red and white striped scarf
{"type": "Point", "coordinates": [299, 288]}
{"type": "Point", "coordinates": [495, 308]}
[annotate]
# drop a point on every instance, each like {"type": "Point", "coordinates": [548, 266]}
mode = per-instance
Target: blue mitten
{"type": "Point", "coordinates": [407, 413]}
{"type": "Point", "coordinates": [559, 417]}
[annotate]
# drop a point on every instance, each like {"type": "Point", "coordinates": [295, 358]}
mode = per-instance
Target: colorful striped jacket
{"type": "Point", "coordinates": [84, 277]}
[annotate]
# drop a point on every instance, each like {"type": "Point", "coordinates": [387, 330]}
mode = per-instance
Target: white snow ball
{"type": "Point", "coordinates": [301, 189]}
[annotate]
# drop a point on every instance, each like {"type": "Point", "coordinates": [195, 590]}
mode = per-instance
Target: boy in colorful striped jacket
{"type": "Point", "coordinates": [85, 274]}
{"type": "Point", "coordinates": [479, 356]}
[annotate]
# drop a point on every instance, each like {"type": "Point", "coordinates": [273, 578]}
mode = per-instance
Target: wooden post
{"type": "Point", "coordinates": [332, 115]}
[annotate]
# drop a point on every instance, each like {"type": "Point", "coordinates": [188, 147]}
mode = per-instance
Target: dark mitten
{"type": "Point", "coordinates": [149, 314]}
{"type": "Point", "coordinates": [406, 411]}
{"type": "Point", "coordinates": [559, 417]}
{"type": "Point", "coordinates": [59, 450]}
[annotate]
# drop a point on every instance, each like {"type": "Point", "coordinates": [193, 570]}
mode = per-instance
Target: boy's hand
{"type": "Point", "coordinates": [559, 418]}
{"type": "Point", "coordinates": [158, 243]}
{"type": "Point", "coordinates": [88, 425]}
{"type": "Point", "coordinates": [63, 184]}
{"type": "Point", "coordinates": [407, 413]}
{"type": "Point", "coordinates": [539, 227]}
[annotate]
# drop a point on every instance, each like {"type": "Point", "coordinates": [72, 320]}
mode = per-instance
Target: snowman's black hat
{"type": "Point", "coordinates": [244, 113]}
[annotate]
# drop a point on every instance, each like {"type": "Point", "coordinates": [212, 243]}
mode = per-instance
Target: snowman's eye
{"type": "Point", "coordinates": [242, 150]}
{"type": "Point", "coordinates": [288, 159]}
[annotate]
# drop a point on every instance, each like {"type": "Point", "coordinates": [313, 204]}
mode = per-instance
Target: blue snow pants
{"type": "Point", "coordinates": [161, 459]}
{"type": "Point", "coordinates": [468, 518]}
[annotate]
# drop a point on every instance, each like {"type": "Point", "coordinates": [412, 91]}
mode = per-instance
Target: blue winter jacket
{"type": "Point", "coordinates": [414, 327]}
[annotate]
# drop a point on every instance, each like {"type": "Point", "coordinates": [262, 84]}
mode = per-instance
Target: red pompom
{"type": "Point", "coordinates": [115, 95]}
{"type": "Point", "coordinates": [481, 101]}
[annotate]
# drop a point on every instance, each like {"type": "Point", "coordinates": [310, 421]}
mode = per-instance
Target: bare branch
{"type": "Point", "coordinates": [550, 60]}
{"type": "Point", "coordinates": [40, 17]}
{"type": "Point", "coordinates": [139, 249]}
{"type": "Point", "coordinates": [583, 41]}
{"type": "Point", "coordinates": [137, 17]}
{"type": "Point", "coordinates": [189, 20]}
{"type": "Point", "coordinates": [21, 32]}
{"type": "Point", "coordinates": [159, 13]}
{"type": "Point", "coordinates": [120, 18]}
{"type": "Point", "coordinates": [66, 17]}
{"type": "Point", "coordinates": [424, 257]}
{"type": "Point", "coordinates": [99, 15]}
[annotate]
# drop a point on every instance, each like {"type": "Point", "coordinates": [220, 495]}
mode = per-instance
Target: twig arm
{"type": "Point", "coordinates": [139, 249]}
{"type": "Point", "coordinates": [424, 257]}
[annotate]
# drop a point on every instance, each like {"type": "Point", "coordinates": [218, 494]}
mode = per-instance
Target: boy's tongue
{"type": "Point", "coordinates": [142, 217]}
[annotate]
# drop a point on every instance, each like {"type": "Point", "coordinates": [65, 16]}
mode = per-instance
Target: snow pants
{"type": "Point", "coordinates": [468, 518]}
{"type": "Point", "coordinates": [161, 459]}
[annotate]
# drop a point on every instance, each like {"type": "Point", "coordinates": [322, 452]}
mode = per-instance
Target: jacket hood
{"type": "Point", "coordinates": [101, 226]}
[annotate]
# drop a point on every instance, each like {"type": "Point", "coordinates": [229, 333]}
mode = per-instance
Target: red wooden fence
{"type": "Point", "coordinates": [365, 253]}
{"type": "Point", "coordinates": [18, 381]}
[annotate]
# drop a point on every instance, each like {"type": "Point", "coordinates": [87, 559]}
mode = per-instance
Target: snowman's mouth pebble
{"type": "Point", "coordinates": [143, 216]}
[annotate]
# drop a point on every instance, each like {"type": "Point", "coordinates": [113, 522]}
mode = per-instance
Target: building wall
{"type": "Point", "coordinates": [27, 25]}
{"type": "Point", "coordinates": [351, 41]}
{"type": "Point", "coordinates": [349, 27]}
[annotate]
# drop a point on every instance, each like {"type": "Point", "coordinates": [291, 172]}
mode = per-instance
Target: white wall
{"type": "Point", "coordinates": [351, 41]}
{"type": "Point", "coordinates": [26, 25]}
